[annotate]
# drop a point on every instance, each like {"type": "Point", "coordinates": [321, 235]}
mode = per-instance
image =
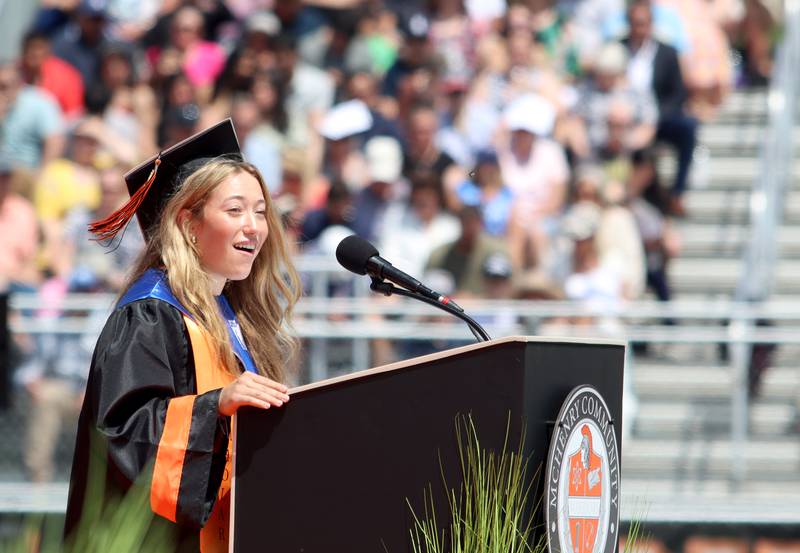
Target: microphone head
{"type": "Point", "coordinates": [353, 252]}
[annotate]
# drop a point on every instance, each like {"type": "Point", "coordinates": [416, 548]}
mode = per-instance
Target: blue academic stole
{"type": "Point", "coordinates": [153, 284]}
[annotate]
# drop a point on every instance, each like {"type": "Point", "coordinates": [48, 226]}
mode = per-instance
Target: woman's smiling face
{"type": "Point", "coordinates": [232, 229]}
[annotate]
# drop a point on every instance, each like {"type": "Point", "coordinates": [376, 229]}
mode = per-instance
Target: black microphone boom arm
{"type": "Point", "coordinates": [387, 289]}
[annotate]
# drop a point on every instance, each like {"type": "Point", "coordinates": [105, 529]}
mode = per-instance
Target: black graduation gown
{"type": "Point", "coordinates": [143, 360]}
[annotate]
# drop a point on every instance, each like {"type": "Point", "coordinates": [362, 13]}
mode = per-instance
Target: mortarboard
{"type": "Point", "coordinates": [154, 181]}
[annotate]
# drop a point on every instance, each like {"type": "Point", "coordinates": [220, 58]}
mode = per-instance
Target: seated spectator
{"type": "Point", "coordinates": [487, 191]}
{"type": "Point", "coordinates": [128, 105]}
{"type": "Point", "coordinates": [385, 186]}
{"type": "Point", "coordinates": [608, 87]}
{"type": "Point", "coordinates": [452, 137]}
{"type": "Point", "coordinates": [363, 86]}
{"type": "Point", "coordinates": [373, 46]}
{"type": "Point", "coordinates": [342, 129]}
{"type": "Point", "coordinates": [668, 25]}
{"type": "Point", "coordinates": [31, 124]}
{"type": "Point", "coordinates": [707, 67]}
{"type": "Point", "coordinates": [537, 285]}
{"type": "Point", "coordinates": [655, 66]}
{"type": "Point", "coordinates": [19, 235]}
{"type": "Point", "coordinates": [464, 258]}
{"type": "Point", "coordinates": [528, 71]}
{"type": "Point", "coordinates": [498, 283]}
{"type": "Point", "coordinates": [188, 52]}
{"type": "Point", "coordinates": [65, 184]}
{"type": "Point", "coordinates": [498, 277]}
{"type": "Point", "coordinates": [618, 241]}
{"type": "Point", "coordinates": [180, 109]}
{"type": "Point", "coordinates": [587, 25]}
{"type": "Point", "coordinates": [253, 55]}
{"type": "Point", "coordinates": [412, 230]}
{"type": "Point", "coordinates": [414, 54]}
{"type": "Point", "coordinates": [261, 145]}
{"type": "Point", "coordinates": [535, 169]}
{"type": "Point", "coordinates": [338, 211]}
{"type": "Point", "coordinates": [615, 154]}
{"type": "Point", "coordinates": [422, 153]}
{"type": "Point", "coordinates": [87, 267]}
{"type": "Point", "coordinates": [309, 92]}
{"type": "Point", "coordinates": [453, 40]}
{"type": "Point", "coordinates": [660, 245]}
{"type": "Point", "coordinates": [756, 33]}
{"type": "Point", "coordinates": [83, 40]}
{"type": "Point", "coordinates": [41, 68]}
{"type": "Point", "coordinates": [597, 286]}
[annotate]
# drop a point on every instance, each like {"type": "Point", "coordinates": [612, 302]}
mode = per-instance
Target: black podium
{"type": "Point", "coordinates": [333, 470]}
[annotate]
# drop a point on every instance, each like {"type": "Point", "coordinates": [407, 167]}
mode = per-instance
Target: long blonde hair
{"type": "Point", "coordinates": [263, 301]}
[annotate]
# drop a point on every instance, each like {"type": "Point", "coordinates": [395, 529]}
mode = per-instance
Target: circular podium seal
{"type": "Point", "coordinates": [582, 478]}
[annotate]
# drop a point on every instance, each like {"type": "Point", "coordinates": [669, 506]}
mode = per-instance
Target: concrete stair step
{"type": "Point", "coordinates": [743, 140]}
{"type": "Point", "coordinates": [681, 382]}
{"type": "Point", "coordinates": [686, 382]}
{"type": "Point", "coordinates": [718, 206]}
{"type": "Point", "coordinates": [710, 499]}
{"type": "Point", "coordinates": [722, 275]}
{"type": "Point", "coordinates": [726, 171]}
{"type": "Point", "coordinates": [673, 420]}
{"type": "Point", "coordinates": [765, 460]}
{"type": "Point", "coordinates": [712, 240]}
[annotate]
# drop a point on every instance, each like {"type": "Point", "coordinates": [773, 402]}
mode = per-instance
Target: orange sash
{"type": "Point", "coordinates": [210, 375]}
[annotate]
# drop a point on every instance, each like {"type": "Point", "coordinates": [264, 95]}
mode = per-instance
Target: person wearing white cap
{"type": "Point", "coordinates": [343, 127]}
{"type": "Point", "coordinates": [535, 168]}
{"type": "Point", "coordinates": [384, 159]}
{"type": "Point", "coordinates": [609, 87]}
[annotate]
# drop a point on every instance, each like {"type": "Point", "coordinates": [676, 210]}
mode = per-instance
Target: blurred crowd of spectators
{"type": "Point", "coordinates": [505, 150]}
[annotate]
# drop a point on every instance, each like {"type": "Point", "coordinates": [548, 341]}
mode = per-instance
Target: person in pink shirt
{"type": "Point", "coordinates": [19, 235]}
{"type": "Point", "coordinates": [535, 168]}
{"type": "Point", "coordinates": [201, 60]}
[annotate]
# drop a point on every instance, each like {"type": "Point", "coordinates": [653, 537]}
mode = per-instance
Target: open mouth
{"type": "Point", "coordinates": [247, 247]}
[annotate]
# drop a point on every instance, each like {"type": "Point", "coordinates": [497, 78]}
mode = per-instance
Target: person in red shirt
{"type": "Point", "coordinates": [41, 68]}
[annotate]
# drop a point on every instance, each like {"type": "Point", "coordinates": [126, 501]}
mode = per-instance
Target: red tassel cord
{"type": "Point", "coordinates": [109, 227]}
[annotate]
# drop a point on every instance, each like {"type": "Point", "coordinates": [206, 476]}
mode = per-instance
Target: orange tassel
{"type": "Point", "coordinates": [108, 228]}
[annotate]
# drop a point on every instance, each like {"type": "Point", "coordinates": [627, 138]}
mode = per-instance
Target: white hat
{"type": "Point", "coordinates": [384, 159]}
{"type": "Point", "coordinates": [612, 59]}
{"type": "Point", "coordinates": [346, 119]}
{"type": "Point", "coordinates": [264, 22]}
{"type": "Point", "coordinates": [531, 113]}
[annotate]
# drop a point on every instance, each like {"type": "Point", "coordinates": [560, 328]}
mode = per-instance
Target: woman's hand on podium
{"type": "Point", "coordinates": [254, 390]}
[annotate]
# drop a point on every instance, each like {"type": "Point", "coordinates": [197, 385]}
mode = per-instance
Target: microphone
{"type": "Point", "coordinates": [359, 256]}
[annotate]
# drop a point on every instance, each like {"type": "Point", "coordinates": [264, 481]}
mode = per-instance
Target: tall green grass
{"type": "Point", "coordinates": [489, 512]}
{"type": "Point", "coordinates": [123, 524]}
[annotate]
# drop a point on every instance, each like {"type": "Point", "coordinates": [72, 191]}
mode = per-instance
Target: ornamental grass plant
{"type": "Point", "coordinates": [490, 510]}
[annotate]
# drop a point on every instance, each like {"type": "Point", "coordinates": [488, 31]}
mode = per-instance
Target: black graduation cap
{"type": "Point", "coordinates": [154, 181]}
